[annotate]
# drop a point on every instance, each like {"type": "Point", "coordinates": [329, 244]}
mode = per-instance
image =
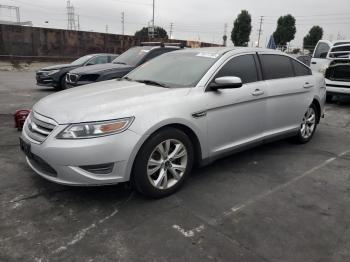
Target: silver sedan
{"type": "Point", "coordinates": [182, 109]}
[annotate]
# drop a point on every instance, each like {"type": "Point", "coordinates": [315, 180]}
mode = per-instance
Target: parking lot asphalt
{"type": "Point", "coordinates": [277, 202]}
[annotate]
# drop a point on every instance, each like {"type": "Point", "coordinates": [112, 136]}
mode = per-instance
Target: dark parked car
{"type": "Point", "coordinates": [55, 75]}
{"type": "Point", "coordinates": [121, 66]}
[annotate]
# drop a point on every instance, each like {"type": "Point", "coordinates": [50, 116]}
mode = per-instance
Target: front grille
{"type": "Point", "coordinates": [340, 72]}
{"type": "Point", "coordinates": [39, 127]}
{"type": "Point", "coordinates": [72, 78]}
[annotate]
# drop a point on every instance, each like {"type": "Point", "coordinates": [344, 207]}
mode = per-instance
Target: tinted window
{"type": "Point", "coordinates": [132, 56]}
{"type": "Point", "coordinates": [276, 66]}
{"type": "Point", "coordinates": [321, 50]}
{"type": "Point", "coordinates": [241, 66]}
{"type": "Point", "coordinates": [98, 60]}
{"type": "Point", "coordinates": [300, 69]}
{"type": "Point", "coordinates": [156, 53]}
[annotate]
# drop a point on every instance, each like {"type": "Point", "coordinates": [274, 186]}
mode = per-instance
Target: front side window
{"type": "Point", "coordinates": [321, 50]}
{"type": "Point", "coordinates": [242, 66]}
{"type": "Point", "coordinates": [276, 66]}
{"type": "Point", "coordinates": [175, 69]}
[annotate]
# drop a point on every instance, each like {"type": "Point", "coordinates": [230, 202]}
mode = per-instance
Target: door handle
{"type": "Point", "coordinates": [258, 92]}
{"type": "Point", "coordinates": [314, 63]}
{"type": "Point", "coordinates": [308, 85]}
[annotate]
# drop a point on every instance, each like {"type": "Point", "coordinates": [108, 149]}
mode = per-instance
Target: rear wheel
{"type": "Point", "coordinates": [163, 163]}
{"type": "Point", "coordinates": [308, 125]}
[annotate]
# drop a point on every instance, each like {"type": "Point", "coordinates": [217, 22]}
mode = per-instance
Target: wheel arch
{"type": "Point", "coordinates": [318, 107]}
{"type": "Point", "coordinates": [190, 131]}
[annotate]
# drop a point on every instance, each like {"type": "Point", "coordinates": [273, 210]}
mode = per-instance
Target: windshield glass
{"type": "Point", "coordinates": [175, 69]}
{"type": "Point", "coordinates": [81, 60]}
{"type": "Point", "coordinates": [132, 56]}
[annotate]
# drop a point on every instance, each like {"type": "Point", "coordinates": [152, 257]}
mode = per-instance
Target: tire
{"type": "Point", "coordinates": [329, 98]}
{"type": "Point", "coordinates": [154, 172]}
{"type": "Point", "coordinates": [62, 83]}
{"type": "Point", "coordinates": [308, 125]}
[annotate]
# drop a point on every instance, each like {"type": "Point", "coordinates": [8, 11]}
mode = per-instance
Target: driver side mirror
{"type": "Point", "coordinates": [226, 82]}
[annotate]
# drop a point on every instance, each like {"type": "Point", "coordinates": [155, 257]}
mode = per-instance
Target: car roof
{"type": "Point", "coordinates": [223, 50]}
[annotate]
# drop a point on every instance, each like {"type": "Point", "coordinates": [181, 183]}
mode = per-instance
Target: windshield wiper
{"type": "Point", "coordinates": [151, 82]}
{"type": "Point", "coordinates": [127, 78]}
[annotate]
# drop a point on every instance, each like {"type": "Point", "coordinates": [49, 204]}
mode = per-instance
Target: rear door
{"type": "Point", "coordinates": [319, 58]}
{"type": "Point", "coordinates": [289, 92]}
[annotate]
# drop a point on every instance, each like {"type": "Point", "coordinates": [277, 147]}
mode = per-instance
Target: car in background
{"type": "Point", "coordinates": [55, 75]}
{"type": "Point", "coordinates": [306, 59]}
{"type": "Point", "coordinates": [121, 66]}
{"type": "Point", "coordinates": [332, 59]}
{"type": "Point", "coordinates": [183, 108]}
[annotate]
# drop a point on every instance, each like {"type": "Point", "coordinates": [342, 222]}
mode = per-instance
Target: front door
{"type": "Point", "coordinates": [236, 116]}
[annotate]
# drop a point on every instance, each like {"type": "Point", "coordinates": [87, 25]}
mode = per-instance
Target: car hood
{"type": "Point", "coordinates": [95, 69]}
{"type": "Point", "coordinates": [103, 101]}
{"type": "Point", "coordinates": [55, 67]}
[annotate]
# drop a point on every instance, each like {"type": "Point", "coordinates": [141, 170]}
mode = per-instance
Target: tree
{"type": "Point", "coordinates": [159, 32]}
{"type": "Point", "coordinates": [285, 31]}
{"type": "Point", "coordinates": [242, 28]}
{"type": "Point", "coordinates": [310, 40]}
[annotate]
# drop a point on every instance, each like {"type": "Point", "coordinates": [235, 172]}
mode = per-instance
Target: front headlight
{"type": "Point", "coordinates": [95, 129]}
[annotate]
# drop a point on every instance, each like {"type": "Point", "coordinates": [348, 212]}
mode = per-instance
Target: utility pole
{"type": "Point", "coordinates": [153, 17]}
{"type": "Point", "coordinates": [171, 30]}
{"type": "Point", "coordinates": [16, 8]}
{"type": "Point", "coordinates": [123, 23]}
{"type": "Point", "coordinates": [224, 38]}
{"type": "Point", "coordinates": [71, 16]}
{"type": "Point", "coordinates": [78, 17]}
{"type": "Point", "coordinates": [260, 31]}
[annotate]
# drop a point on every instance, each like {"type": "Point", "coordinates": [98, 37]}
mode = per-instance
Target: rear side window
{"type": "Point", "coordinates": [300, 69]}
{"type": "Point", "coordinates": [276, 66]}
{"type": "Point", "coordinates": [321, 50]}
{"type": "Point", "coordinates": [242, 66]}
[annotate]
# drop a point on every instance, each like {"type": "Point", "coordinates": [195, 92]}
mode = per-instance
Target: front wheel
{"type": "Point", "coordinates": [308, 125]}
{"type": "Point", "coordinates": [163, 163]}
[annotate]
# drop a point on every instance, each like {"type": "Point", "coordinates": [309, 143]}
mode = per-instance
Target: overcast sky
{"type": "Point", "coordinates": [193, 19]}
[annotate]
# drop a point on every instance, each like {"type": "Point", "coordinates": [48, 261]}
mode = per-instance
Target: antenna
{"type": "Point", "coordinates": [224, 38]}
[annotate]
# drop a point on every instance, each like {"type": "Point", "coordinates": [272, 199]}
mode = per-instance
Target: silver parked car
{"type": "Point", "coordinates": [181, 109]}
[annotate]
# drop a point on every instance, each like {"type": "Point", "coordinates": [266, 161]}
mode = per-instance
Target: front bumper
{"type": "Point", "coordinates": [60, 161]}
{"type": "Point", "coordinates": [337, 87]}
{"type": "Point", "coordinates": [45, 81]}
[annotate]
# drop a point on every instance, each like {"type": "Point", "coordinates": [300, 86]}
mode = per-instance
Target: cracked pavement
{"type": "Point", "coordinates": [277, 202]}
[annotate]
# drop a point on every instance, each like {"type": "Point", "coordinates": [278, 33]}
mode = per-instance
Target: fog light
{"type": "Point", "coordinates": [101, 169]}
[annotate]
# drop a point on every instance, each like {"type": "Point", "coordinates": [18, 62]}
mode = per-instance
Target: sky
{"type": "Point", "coordinates": [192, 19]}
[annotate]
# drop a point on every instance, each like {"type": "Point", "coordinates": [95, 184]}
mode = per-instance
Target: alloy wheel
{"type": "Point", "coordinates": [308, 124]}
{"type": "Point", "coordinates": [167, 164]}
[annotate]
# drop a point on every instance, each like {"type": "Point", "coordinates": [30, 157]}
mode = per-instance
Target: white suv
{"type": "Point", "coordinates": [332, 59]}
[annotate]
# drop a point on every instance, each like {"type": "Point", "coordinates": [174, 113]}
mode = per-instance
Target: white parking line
{"type": "Point", "coordinates": [237, 208]}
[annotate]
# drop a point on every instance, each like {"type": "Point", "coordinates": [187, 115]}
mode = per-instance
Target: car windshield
{"type": "Point", "coordinates": [175, 69]}
{"type": "Point", "coordinates": [132, 56]}
{"type": "Point", "coordinates": [81, 60]}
